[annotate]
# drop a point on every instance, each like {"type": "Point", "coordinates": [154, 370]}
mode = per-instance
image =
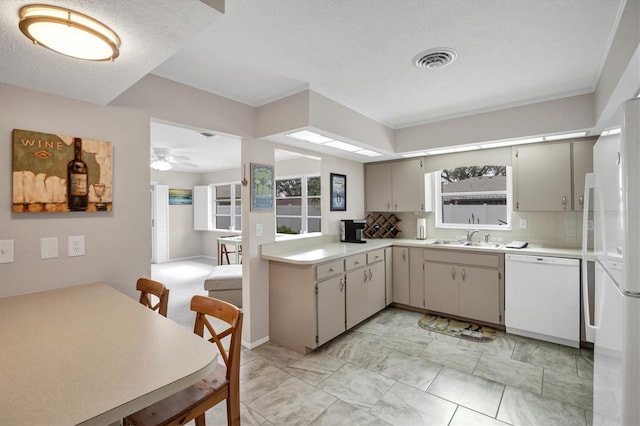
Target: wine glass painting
{"type": "Point", "coordinates": [338, 192]}
{"type": "Point", "coordinates": [56, 173]}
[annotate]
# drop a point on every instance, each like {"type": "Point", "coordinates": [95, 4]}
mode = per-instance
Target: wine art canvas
{"type": "Point", "coordinates": [56, 173]}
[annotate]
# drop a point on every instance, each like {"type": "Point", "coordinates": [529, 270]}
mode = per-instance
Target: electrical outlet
{"type": "Point", "coordinates": [6, 251]}
{"type": "Point", "coordinates": [48, 248]}
{"type": "Point", "coordinates": [524, 223]}
{"type": "Point", "coordinates": [76, 246]}
{"type": "Point", "coordinates": [258, 230]}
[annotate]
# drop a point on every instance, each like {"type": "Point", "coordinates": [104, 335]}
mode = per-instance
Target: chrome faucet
{"type": "Point", "coordinates": [470, 233]}
{"type": "Point", "coordinates": [486, 238]}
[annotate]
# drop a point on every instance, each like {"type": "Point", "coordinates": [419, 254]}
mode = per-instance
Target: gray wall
{"type": "Point", "coordinates": [118, 244]}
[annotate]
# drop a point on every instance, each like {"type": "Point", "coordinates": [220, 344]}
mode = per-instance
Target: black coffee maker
{"type": "Point", "coordinates": [351, 231]}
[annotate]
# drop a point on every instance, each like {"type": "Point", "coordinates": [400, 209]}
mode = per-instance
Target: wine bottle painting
{"type": "Point", "coordinates": [55, 173]}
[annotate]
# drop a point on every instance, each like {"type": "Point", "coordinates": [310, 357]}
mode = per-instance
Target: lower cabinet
{"type": "Point", "coordinates": [365, 287]}
{"type": "Point", "coordinates": [465, 284]}
{"type": "Point", "coordinates": [408, 276]}
{"type": "Point", "coordinates": [311, 304]}
{"type": "Point", "coordinates": [330, 304]}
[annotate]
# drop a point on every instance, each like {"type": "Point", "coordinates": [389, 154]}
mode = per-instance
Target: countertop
{"type": "Point", "coordinates": [309, 251]}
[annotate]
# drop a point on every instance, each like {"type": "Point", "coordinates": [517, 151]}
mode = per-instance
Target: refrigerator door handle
{"type": "Point", "coordinates": [590, 329]}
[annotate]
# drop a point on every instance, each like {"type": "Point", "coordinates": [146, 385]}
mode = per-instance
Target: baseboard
{"type": "Point", "coordinates": [253, 345]}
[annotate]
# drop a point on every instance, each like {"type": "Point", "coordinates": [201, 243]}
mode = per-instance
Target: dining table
{"type": "Point", "coordinates": [89, 354]}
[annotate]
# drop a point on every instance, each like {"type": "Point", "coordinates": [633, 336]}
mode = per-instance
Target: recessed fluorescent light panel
{"type": "Point", "coordinates": [413, 154]}
{"type": "Point", "coordinates": [510, 143]}
{"type": "Point", "coordinates": [565, 136]}
{"type": "Point", "coordinates": [306, 135]}
{"type": "Point", "coordinates": [452, 149]}
{"type": "Point", "coordinates": [343, 146]}
{"type": "Point", "coordinates": [614, 131]}
{"type": "Point", "coordinates": [368, 153]}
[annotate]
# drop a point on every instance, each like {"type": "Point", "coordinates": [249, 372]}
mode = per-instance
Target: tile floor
{"type": "Point", "coordinates": [389, 371]}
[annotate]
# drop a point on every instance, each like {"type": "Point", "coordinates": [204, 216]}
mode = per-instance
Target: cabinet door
{"type": "Point", "coordinates": [407, 179]}
{"type": "Point", "coordinates": [543, 177]}
{"type": "Point", "coordinates": [357, 303]}
{"type": "Point", "coordinates": [441, 286]}
{"type": "Point", "coordinates": [330, 305]}
{"type": "Point", "coordinates": [582, 164]}
{"type": "Point", "coordinates": [479, 294]}
{"type": "Point", "coordinates": [388, 274]}
{"type": "Point", "coordinates": [375, 288]}
{"type": "Point", "coordinates": [378, 187]}
{"type": "Point", "coordinates": [416, 277]}
{"type": "Point", "coordinates": [400, 275]}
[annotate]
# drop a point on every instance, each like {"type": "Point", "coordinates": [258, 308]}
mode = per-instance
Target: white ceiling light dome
{"type": "Point", "coordinates": [435, 58]}
{"type": "Point", "coordinates": [69, 33]}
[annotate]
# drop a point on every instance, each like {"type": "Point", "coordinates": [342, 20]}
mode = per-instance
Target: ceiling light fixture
{"type": "Point", "coordinates": [69, 33]}
{"type": "Point", "coordinates": [565, 136]}
{"type": "Point", "coordinates": [368, 153]}
{"type": "Point", "coordinates": [161, 165]}
{"type": "Point", "coordinates": [309, 136]}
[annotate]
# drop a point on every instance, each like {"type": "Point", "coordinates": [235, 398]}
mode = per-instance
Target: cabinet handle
{"type": "Point", "coordinates": [564, 202]}
{"type": "Point", "coordinates": [453, 273]}
{"type": "Point", "coordinates": [463, 273]}
{"type": "Point", "coordinates": [356, 262]}
{"type": "Point", "coordinates": [388, 205]}
{"type": "Point", "coordinates": [581, 200]}
{"type": "Point", "coordinates": [365, 276]}
{"type": "Point", "coordinates": [330, 269]}
{"type": "Point", "coordinates": [341, 284]}
{"type": "Point", "coordinates": [370, 274]}
{"type": "Point", "coordinates": [404, 255]}
{"type": "Point", "coordinates": [395, 206]}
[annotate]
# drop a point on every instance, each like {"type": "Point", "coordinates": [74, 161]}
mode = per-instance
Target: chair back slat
{"type": "Point", "coordinates": [232, 316]}
{"type": "Point", "coordinates": [148, 288]}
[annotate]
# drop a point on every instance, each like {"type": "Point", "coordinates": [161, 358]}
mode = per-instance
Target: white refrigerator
{"type": "Point", "coordinates": [611, 240]}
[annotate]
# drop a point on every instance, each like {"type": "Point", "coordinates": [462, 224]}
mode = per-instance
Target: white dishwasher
{"type": "Point", "coordinates": [542, 298]}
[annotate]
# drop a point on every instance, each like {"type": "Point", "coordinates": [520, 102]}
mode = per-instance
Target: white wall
{"type": "Point", "coordinates": [183, 240]}
{"type": "Point", "coordinates": [121, 237]}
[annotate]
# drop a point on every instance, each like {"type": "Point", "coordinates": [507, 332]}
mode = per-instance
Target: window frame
{"type": "Point", "coordinates": [233, 199]}
{"type": "Point", "coordinates": [509, 206]}
{"type": "Point", "coordinates": [304, 201]}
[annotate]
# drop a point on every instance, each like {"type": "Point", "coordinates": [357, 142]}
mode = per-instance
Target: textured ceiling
{"type": "Point", "coordinates": [356, 52]}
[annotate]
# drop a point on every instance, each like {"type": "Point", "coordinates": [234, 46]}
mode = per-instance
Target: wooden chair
{"type": "Point", "coordinates": [223, 383]}
{"type": "Point", "coordinates": [224, 252]}
{"type": "Point", "coordinates": [148, 288]}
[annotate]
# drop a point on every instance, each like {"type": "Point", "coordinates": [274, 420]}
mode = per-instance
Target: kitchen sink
{"type": "Point", "coordinates": [448, 242]}
{"type": "Point", "coordinates": [481, 244]}
{"type": "Point", "coordinates": [457, 243]}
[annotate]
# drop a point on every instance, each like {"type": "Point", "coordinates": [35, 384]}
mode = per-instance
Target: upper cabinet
{"type": "Point", "coordinates": [582, 164]}
{"type": "Point", "coordinates": [396, 186]}
{"type": "Point", "coordinates": [550, 176]}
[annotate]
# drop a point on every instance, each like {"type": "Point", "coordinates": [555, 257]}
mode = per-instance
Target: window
{"type": "Point", "coordinates": [476, 197]}
{"type": "Point", "coordinates": [298, 205]}
{"type": "Point", "coordinates": [227, 207]}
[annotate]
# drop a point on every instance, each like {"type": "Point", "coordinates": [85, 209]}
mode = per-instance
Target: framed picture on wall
{"type": "Point", "coordinates": [180, 197]}
{"type": "Point", "coordinates": [338, 192]}
{"type": "Point", "coordinates": [261, 187]}
{"type": "Point", "coordinates": [57, 174]}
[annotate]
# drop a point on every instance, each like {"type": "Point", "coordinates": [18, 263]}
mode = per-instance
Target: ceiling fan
{"type": "Point", "coordinates": [161, 159]}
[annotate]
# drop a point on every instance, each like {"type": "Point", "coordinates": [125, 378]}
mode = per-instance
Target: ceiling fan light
{"type": "Point", "coordinates": [161, 165]}
{"type": "Point", "coordinates": [69, 33]}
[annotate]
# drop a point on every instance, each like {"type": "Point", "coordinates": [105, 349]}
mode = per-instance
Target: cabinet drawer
{"type": "Point", "coordinates": [329, 269]}
{"type": "Point", "coordinates": [375, 256]}
{"type": "Point", "coordinates": [463, 257]}
{"type": "Point", "coordinates": [355, 261]}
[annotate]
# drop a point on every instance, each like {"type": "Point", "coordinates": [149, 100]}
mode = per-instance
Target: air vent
{"type": "Point", "coordinates": [435, 58]}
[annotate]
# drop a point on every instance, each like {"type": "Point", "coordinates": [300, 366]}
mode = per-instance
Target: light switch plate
{"type": "Point", "coordinates": [48, 248]}
{"type": "Point", "coordinates": [523, 223]}
{"type": "Point", "coordinates": [258, 230]}
{"type": "Point", "coordinates": [6, 251]}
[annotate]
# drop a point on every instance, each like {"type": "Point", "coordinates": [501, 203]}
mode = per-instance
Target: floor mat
{"type": "Point", "coordinates": [456, 328]}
